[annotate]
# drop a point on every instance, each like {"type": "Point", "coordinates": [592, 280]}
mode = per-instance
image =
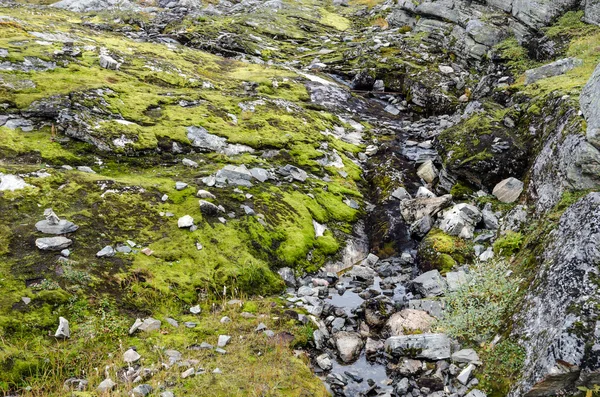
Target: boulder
{"type": "Point", "coordinates": [427, 171]}
{"type": "Point", "coordinates": [461, 220]}
{"type": "Point", "coordinates": [205, 194]}
{"type": "Point", "coordinates": [592, 11]}
{"type": "Point", "coordinates": [430, 283]}
{"type": "Point", "coordinates": [555, 315]}
{"type": "Point", "coordinates": [348, 345]}
{"type": "Point", "coordinates": [401, 194]}
{"type": "Point", "coordinates": [589, 101]}
{"type": "Point", "coordinates": [53, 243]}
{"type": "Point", "coordinates": [295, 172]}
{"type": "Point", "coordinates": [430, 306]}
{"type": "Point", "coordinates": [95, 5]}
{"type": "Point", "coordinates": [490, 220]}
{"type": "Point", "coordinates": [509, 190]}
{"type": "Point", "coordinates": [324, 362]}
{"type": "Point", "coordinates": [421, 227]}
{"type": "Point", "coordinates": [131, 356]}
{"type": "Point", "coordinates": [557, 68]}
{"type": "Point", "coordinates": [428, 346]}
{"type": "Point", "coordinates": [456, 279]}
{"type": "Point", "coordinates": [409, 321]}
{"type": "Point", "coordinates": [235, 175]}
{"type": "Point", "coordinates": [200, 138]}
{"type": "Point", "coordinates": [209, 209]}
{"type": "Point", "coordinates": [377, 310]}
{"type": "Point", "coordinates": [415, 209]}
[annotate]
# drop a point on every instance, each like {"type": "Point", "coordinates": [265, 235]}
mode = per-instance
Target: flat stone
{"type": "Point", "coordinates": [465, 356]}
{"type": "Point", "coordinates": [509, 190]}
{"type": "Point", "coordinates": [180, 185]}
{"type": "Point", "coordinates": [223, 340]}
{"type": "Point", "coordinates": [148, 325]}
{"type": "Point", "coordinates": [556, 68]}
{"type": "Point", "coordinates": [428, 346]}
{"type": "Point", "coordinates": [465, 374]}
{"type": "Point", "coordinates": [131, 356]}
{"type": "Point", "coordinates": [53, 243]}
{"type": "Point", "coordinates": [63, 227]}
{"type": "Point", "coordinates": [401, 194]}
{"type": "Point", "coordinates": [195, 309]}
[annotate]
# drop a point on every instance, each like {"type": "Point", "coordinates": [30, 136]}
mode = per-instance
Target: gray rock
{"type": "Point", "coordinates": [490, 220]}
{"type": "Point", "coordinates": [95, 5]}
{"type": "Point", "coordinates": [185, 222]}
{"type": "Point", "coordinates": [324, 362]}
{"type": "Point", "coordinates": [131, 356]}
{"type": "Point", "coordinates": [288, 276]}
{"type": "Point", "coordinates": [557, 68]}
{"type": "Point", "coordinates": [188, 373]}
{"type": "Point", "coordinates": [85, 169]}
{"type": "Point", "coordinates": [62, 331]}
{"type": "Point", "coordinates": [167, 394]}
{"type": "Point", "coordinates": [465, 356]}
{"type": "Point", "coordinates": [554, 314]}
{"type": "Point", "coordinates": [142, 390]}
{"type": "Point", "coordinates": [53, 225]}
{"type": "Point", "coordinates": [202, 139]}
{"type": "Point", "coordinates": [537, 14]}
{"type": "Point", "coordinates": [189, 163]}
{"type": "Point", "coordinates": [401, 194]}
{"type": "Point", "coordinates": [348, 345]}
{"type": "Point", "coordinates": [465, 374]}
{"type": "Point", "coordinates": [590, 105]}
{"type": "Point", "coordinates": [195, 309]}
{"type": "Point", "coordinates": [362, 273]}
{"type": "Point", "coordinates": [105, 386]}
{"type": "Point", "coordinates": [430, 283]}
{"type": "Point", "coordinates": [427, 346]}
{"type": "Point", "coordinates": [208, 208]}
{"type": "Point", "coordinates": [75, 384]}
{"type": "Point", "coordinates": [372, 347]}
{"type": "Point", "coordinates": [432, 307]}
{"type": "Point", "coordinates": [260, 174]}
{"type": "Point", "coordinates": [427, 171]}
{"type": "Point", "coordinates": [205, 194]}
{"type": "Point", "coordinates": [592, 11]}
{"type": "Point", "coordinates": [476, 393]}
{"type": "Point", "coordinates": [223, 340]}
{"type": "Point", "coordinates": [295, 172]}
{"type": "Point", "coordinates": [456, 279]}
{"type": "Point", "coordinates": [180, 185]}
{"type": "Point", "coordinates": [148, 325]}
{"type": "Point", "coordinates": [415, 209]}
{"type": "Point", "coordinates": [106, 252]}
{"type": "Point", "coordinates": [508, 190]}
{"type": "Point", "coordinates": [11, 183]}
{"type": "Point", "coordinates": [460, 220]}
{"type": "Point", "coordinates": [108, 62]}
{"type": "Point", "coordinates": [53, 243]}
{"type": "Point", "coordinates": [409, 321]}
{"type": "Point", "coordinates": [235, 175]}
{"type": "Point", "coordinates": [421, 227]}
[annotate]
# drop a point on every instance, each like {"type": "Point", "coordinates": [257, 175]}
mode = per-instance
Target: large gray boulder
{"type": "Point", "coordinates": [556, 68]}
{"type": "Point", "coordinates": [592, 11]}
{"type": "Point", "coordinates": [590, 106]}
{"type": "Point", "coordinates": [559, 321]}
{"type": "Point", "coordinates": [427, 346]}
{"type": "Point", "coordinates": [539, 13]}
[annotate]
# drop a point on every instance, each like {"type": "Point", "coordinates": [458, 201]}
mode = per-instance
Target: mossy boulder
{"type": "Point", "coordinates": [441, 251]}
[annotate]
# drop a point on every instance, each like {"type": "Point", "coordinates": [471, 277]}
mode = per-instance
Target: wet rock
{"type": "Point", "coordinates": [362, 273]}
{"type": "Point", "coordinates": [461, 220]}
{"type": "Point", "coordinates": [53, 243]}
{"type": "Point", "coordinates": [373, 347]}
{"type": "Point", "coordinates": [409, 321]}
{"type": "Point", "coordinates": [62, 331]}
{"type": "Point", "coordinates": [430, 283]}
{"type": "Point", "coordinates": [53, 225]}
{"type": "Point", "coordinates": [556, 68]}
{"type": "Point", "coordinates": [377, 310]}
{"type": "Point", "coordinates": [415, 209]}
{"type": "Point", "coordinates": [509, 190]}
{"type": "Point", "coordinates": [348, 345]}
{"type": "Point", "coordinates": [428, 346]}
{"type": "Point", "coordinates": [324, 362]}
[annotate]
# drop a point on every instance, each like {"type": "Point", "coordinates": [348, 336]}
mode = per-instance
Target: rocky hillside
{"type": "Point", "coordinates": [299, 198]}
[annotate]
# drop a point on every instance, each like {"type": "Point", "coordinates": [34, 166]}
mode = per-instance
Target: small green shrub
{"type": "Point", "coordinates": [477, 309]}
{"type": "Point", "coordinates": [509, 244]}
{"type": "Point", "coordinates": [502, 365]}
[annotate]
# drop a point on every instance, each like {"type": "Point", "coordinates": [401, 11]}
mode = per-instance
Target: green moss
{"type": "Point", "coordinates": [502, 366]}
{"type": "Point", "coordinates": [460, 191]}
{"type": "Point", "coordinates": [509, 244]}
{"type": "Point", "coordinates": [441, 251]}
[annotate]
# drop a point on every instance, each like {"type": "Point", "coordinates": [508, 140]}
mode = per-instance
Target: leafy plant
{"type": "Point", "coordinates": [509, 244]}
{"type": "Point", "coordinates": [502, 364]}
{"type": "Point", "coordinates": [477, 309]}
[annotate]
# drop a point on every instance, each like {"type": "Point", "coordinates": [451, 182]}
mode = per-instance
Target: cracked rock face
{"type": "Point", "coordinates": [561, 320]}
